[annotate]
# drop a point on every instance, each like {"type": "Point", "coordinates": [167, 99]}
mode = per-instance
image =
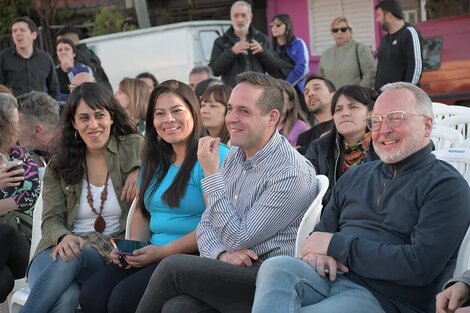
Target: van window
{"type": "Point", "coordinates": [432, 49]}
{"type": "Point", "coordinates": [207, 41]}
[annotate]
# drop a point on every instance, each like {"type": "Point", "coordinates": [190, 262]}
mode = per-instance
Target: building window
{"type": "Point", "coordinates": [360, 14]}
{"type": "Point", "coordinates": [410, 16]}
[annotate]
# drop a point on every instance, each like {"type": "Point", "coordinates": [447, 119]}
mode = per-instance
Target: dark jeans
{"type": "Point", "coordinates": [190, 284]}
{"type": "Point", "coordinates": [114, 289]}
{"type": "Point", "coordinates": [14, 258]}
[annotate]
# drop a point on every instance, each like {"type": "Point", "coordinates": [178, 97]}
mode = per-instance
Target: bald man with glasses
{"type": "Point", "coordinates": [389, 237]}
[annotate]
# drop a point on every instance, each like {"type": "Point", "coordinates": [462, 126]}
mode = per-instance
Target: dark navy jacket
{"type": "Point", "coordinates": [399, 227]}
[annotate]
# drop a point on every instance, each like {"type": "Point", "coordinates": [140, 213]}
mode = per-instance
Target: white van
{"type": "Point", "coordinates": [167, 51]}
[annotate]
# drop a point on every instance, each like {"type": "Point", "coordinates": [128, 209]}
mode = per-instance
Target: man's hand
{"type": "Point", "coordinates": [452, 298]}
{"type": "Point", "coordinates": [243, 257]}
{"type": "Point", "coordinates": [255, 47]}
{"type": "Point", "coordinates": [7, 177]}
{"type": "Point", "coordinates": [316, 243]}
{"type": "Point", "coordinates": [69, 248]}
{"type": "Point", "coordinates": [240, 47]}
{"type": "Point", "coordinates": [129, 190]}
{"type": "Point", "coordinates": [325, 265]}
{"type": "Point", "coordinates": [208, 154]}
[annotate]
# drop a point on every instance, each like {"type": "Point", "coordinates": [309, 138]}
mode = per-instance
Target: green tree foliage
{"type": "Point", "coordinates": [11, 9]}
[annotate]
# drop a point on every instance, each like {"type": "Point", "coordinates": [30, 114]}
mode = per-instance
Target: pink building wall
{"type": "Point", "coordinates": [298, 10]}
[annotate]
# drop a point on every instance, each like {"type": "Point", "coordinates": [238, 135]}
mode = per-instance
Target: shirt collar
{"type": "Point", "coordinates": [416, 160]}
{"type": "Point", "coordinates": [262, 154]}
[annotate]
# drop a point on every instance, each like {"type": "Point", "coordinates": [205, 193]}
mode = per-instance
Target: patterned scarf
{"type": "Point", "coordinates": [356, 153]}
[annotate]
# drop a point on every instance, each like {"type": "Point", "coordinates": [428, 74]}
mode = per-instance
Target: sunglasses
{"type": "Point", "coordinates": [276, 25]}
{"type": "Point", "coordinates": [342, 29]}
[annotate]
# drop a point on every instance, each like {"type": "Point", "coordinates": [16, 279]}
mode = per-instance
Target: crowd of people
{"type": "Point", "coordinates": [220, 173]}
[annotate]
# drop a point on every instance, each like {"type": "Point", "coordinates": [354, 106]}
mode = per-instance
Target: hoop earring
{"type": "Point", "coordinates": [76, 137]}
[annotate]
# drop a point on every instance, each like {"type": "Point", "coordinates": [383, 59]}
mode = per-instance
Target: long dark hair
{"type": "Point", "coordinates": [286, 20]}
{"type": "Point", "coordinates": [363, 95]}
{"type": "Point", "coordinates": [158, 155]}
{"type": "Point", "coordinates": [70, 150]}
{"type": "Point", "coordinates": [220, 93]}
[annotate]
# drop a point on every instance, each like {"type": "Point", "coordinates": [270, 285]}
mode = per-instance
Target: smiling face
{"type": "Point", "coordinates": [349, 118]}
{"type": "Point", "coordinates": [23, 37]}
{"type": "Point", "coordinates": [213, 115]}
{"type": "Point", "coordinates": [395, 144]}
{"type": "Point", "coordinates": [241, 16]}
{"type": "Point", "coordinates": [249, 128]}
{"type": "Point", "coordinates": [172, 119]}
{"type": "Point", "coordinates": [93, 126]}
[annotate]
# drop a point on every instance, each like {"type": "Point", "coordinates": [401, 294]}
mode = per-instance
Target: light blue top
{"type": "Point", "coordinates": [168, 224]}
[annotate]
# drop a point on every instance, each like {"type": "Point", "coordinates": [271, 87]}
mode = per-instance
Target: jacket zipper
{"type": "Point", "coordinates": [384, 189]}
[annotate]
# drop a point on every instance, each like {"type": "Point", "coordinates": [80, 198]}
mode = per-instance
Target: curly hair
{"type": "Point", "coordinates": [158, 154]}
{"type": "Point", "coordinates": [8, 130]}
{"type": "Point", "coordinates": [70, 151]}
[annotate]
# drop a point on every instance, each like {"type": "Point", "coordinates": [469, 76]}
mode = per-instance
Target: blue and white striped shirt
{"type": "Point", "coordinates": [257, 203]}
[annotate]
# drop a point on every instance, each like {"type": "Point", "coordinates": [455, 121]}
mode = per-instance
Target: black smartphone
{"type": "Point", "coordinates": [126, 247]}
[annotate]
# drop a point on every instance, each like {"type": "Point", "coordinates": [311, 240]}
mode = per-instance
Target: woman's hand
{"type": "Point", "coordinates": [145, 256]}
{"type": "Point", "coordinates": [129, 191]}
{"type": "Point", "coordinates": [119, 259]}
{"type": "Point", "coordinates": [7, 177]}
{"type": "Point", "coordinates": [69, 248]}
{"type": "Point", "coordinates": [66, 61]}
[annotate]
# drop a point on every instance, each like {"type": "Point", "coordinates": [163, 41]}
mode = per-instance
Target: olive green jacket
{"type": "Point", "coordinates": [61, 201]}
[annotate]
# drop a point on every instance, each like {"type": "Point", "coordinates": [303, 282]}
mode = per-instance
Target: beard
{"type": "Point", "coordinates": [409, 146]}
{"type": "Point", "coordinates": [386, 26]}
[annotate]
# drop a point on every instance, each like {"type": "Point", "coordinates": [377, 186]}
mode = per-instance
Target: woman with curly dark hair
{"type": "Point", "coordinates": [170, 202]}
{"type": "Point", "coordinates": [89, 178]}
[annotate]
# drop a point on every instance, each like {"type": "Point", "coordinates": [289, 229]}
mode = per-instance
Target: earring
{"type": "Point", "coordinates": [76, 137]}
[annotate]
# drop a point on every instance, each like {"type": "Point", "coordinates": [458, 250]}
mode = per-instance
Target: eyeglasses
{"type": "Point", "coordinates": [394, 119]}
{"type": "Point", "coordinates": [342, 29]}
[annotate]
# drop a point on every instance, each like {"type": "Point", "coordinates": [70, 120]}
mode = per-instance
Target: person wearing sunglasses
{"type": "Point", "coordinates": [293, 51]}
{"type": "Point", "coordinates": [87, 188]}
{"type": "Point", "coordinates": [347, 62]}
{"type": "Point", "coordinates": [390, 234]}
{"type": "Point", "coordinates": [349, 143]}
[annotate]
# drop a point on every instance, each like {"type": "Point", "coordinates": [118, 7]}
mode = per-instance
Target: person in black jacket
{"type": "Point", "coordinates": [242, 48]}
{"type": "Point", "coordinates": [24, 68]}
{"type": "Point", "coordinates": [349, 141]}
{"type": "Point", "coordinates": [400, 53]}
{"type": "Point", "coordinates": [85, 55]}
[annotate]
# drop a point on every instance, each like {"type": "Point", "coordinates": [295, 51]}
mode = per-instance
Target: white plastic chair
{"type": "Point", "coordinates": [312, 215]}
{"type": "Point", "coordinates": [464, 144]}
{"type": "Point", "coordinates": [458, 158]}
{"type": "Point", "coordinates": [129, 218]}
{"type": "Point", "coordinates": [443, 111]}
{"type": "Point", "coordinates": [460, 122]}
{"type": "Point", "coordinates": [445, 137]}
{"type": "Point", "coordinates": [19, 297]}
{"type": "Point", "coordinates": [463, 259]}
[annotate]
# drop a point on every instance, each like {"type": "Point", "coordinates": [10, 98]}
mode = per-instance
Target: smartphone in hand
{"type": "Point", "coordinates": [126, 247]}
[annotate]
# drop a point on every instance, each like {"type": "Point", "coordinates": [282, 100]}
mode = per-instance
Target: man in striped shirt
{"type": "Point", "coordinates": [254, 207]}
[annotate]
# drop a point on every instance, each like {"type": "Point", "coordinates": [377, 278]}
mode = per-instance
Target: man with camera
{"type": "Point", "coordinates": [242, 48]}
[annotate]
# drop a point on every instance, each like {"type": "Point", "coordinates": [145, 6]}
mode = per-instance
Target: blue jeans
{"type": "Point", "coordinates": [55, 286]}
{"type": "Point", "coordinates": [285, 284]}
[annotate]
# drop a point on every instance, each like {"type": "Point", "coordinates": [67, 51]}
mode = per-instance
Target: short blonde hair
{"type": "Point", "coordinates": [339, 20]}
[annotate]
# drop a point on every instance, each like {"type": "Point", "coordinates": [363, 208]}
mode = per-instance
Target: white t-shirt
{"type": "Point", "coordinates": [85, 218]}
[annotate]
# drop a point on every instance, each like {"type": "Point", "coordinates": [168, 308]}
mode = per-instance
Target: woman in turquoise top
{"type": "Point", "coordinates": [170, 201]}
